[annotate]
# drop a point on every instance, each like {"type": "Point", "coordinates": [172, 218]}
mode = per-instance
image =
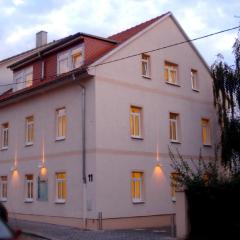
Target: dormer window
{"type": "Point", "coordinates": [23, 78]}
{"type": "Point", "coordinates": [70, 59]}
{"type": "Point", "coordinates": [77, 58]}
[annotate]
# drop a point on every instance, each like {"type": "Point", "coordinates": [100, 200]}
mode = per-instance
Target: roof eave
{"type": "Point", "coordinates": [47, 86]}
{"type": "Point", "coordinates": [126, 42]}
{"type": "Point", "coordinates": [54, 47]}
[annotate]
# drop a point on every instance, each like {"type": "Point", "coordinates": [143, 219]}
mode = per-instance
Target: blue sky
{"type": "Point", "coordinates": [21, 19]}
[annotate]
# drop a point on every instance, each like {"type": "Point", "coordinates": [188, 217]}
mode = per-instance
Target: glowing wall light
{"type": "Point", "coordinates": [158, 157]}
{"type": "Point", "coordinates": [14, 167]}
{"type": "Point", "coordinates": [41, 165]}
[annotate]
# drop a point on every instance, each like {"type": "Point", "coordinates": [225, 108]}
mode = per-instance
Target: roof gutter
{"type": "Point", "coordinates": [42, 53]}
{"type": "Point", "coordinates": [26, 93]}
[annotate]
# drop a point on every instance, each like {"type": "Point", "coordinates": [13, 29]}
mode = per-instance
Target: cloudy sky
{"type": "Point", "coordinates": [21, 19]}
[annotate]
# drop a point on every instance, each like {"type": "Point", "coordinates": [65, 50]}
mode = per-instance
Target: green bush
{"type": "Point", "coordinates": [213, 195]}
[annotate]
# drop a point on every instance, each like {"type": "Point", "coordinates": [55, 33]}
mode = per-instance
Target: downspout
{"type": "Point", "coordinates": [83, 134]}
{"type": "Point", "coordinates": [84, 179]}
{"type": "Point", "coordinates": [83, 110]}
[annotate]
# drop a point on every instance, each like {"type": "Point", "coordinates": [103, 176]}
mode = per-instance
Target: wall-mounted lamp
{"type": "Point", "coordinates": [159, 164]}
{"type": "Point", "coordinates": [13, 168]}
{"type": "Point", "coordinates": [41, 165]}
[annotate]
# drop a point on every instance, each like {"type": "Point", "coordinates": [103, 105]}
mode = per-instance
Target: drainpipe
{"type": "Point", "coordinates": [84, 179]}
{"type": "Point", "coordinates": [83, 134]}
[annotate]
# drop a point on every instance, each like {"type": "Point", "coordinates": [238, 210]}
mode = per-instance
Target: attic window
{"type": "Point", "coordinates": [145, 65]}
{"type": "Point", "coordinates": [23, 78]}
{"type": "Point", "coordinates": [70, 59]}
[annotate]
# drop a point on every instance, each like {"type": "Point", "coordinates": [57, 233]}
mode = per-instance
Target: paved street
{"type": "Point", "coordinates": [55, 232]}
{"type": "Point", "coordinates": [29, 237]}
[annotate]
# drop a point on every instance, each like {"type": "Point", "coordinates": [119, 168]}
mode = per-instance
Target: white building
{"type": "Point", "coordinates": [85, 132]}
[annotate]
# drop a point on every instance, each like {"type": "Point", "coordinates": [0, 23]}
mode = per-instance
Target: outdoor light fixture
{"type": "Point", "coordinates": [41, 165]}
{"type": "Point", "coordinates": [13, 168]}
{"type": "Point", "coordinates": [159, 164]}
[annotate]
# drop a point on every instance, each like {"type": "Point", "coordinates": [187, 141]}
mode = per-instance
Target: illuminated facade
{"type": "Point", "coordinates": [86, 135]}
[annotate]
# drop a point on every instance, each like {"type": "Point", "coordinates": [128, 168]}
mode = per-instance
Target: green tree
{"type": "Point", "coordinates": [226, 89]}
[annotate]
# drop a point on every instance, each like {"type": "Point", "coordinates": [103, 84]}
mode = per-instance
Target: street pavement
{"type": "Point", "coordinates": [56, 232]}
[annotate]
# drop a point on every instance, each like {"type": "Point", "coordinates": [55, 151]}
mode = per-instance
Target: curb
{"type": "Point", "coordinates": [39, 235]}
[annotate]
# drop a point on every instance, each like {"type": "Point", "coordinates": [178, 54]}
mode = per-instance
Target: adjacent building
{"type": "Point", "coordinates": [86, 127]}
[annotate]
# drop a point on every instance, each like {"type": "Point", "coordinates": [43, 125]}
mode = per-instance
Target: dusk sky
{"type": "Point", "coordinates": [21, 19]}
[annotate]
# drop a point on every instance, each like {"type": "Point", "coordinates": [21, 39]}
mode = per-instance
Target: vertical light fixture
{"type": "Point", "coordinates": [158, 157]}
{"type": "Point", "coordinates": [41, 165]}
{"type": "Point", "coordinates": [14, 167]}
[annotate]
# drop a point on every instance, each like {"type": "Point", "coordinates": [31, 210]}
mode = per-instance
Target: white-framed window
{"type": "Point", "coordinates": [61, 123]}
{"type": "Point", "coordinates": [137, 186]}
{"type": "Point", "coordinates": [194, 80]}
{"type": "Point", "coordinates": [135, 122]}
{"type": "Point", "coordinates": [63, 63]}
{"type": "Point", "coordinates": [61, 187]}
{"type": "Point", "coordinates": [23, 78]}
{"type": "Point", "coordinates": [3, 188]}
{"type": "Point", "coordinates": [171, 72]}
{"type": "Point", "coordinates": [4, 136]}
{"type": "Point", "coordinates": [206, 131]}
{"type": "Point", "coordinates": [174, 128]}
{"type": "Point", "coordinates": [29, 188]}
{"type": "Point", "coordinates": [29, 138]}
{"type": "Point", "coordinates": [77, 57]}
{"type": "Point", "coordinates": [174, 185]}
{"type": "Point", "coordinates": [70, 59]}
{"type": "Point", "coordinates": [145, 59]}
{"type": "Point", "coordinates": [42, 194]}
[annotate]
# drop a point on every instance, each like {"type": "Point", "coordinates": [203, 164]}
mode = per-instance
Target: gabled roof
{"type": "Point", "coordinates": [115, 42]}
{"type": "Point", "coordinates": [116, 39]}
{"type": "Point", "coordinates": [27, 53]}
{"type": "Point", "coordinates": [126, 34]}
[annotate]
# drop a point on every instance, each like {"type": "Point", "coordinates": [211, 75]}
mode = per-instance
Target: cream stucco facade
{"type": "Point", "coordinates": [111, 153]}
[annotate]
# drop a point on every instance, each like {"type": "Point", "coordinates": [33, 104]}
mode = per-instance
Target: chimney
{"type": "Point", "coordinates": [41, 38]}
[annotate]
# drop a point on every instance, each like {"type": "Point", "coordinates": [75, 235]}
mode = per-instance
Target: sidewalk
{"type": "Point", "coordinates": [56, 232]}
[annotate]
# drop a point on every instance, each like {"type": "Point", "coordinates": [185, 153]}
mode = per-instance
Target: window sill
{"type": "Point", "coordinates": [195, 90]}
{"type": "Point", "coordinates": [138, 202]}
{"type": "Point", "coordinates": [28, 201]}
{"type": "Point", "coordinates": [60, 201]}
{"type": "Point", "coordinates": [4, 148]}
{"type": "Point", "coordinates": [175, 142]}
{"type": "Point", "coordinates": [60, 139]}
{"type": "Point", "coordinates": [42, 200]}
{"type": "Point", "coordinates": [207, 145]}
{"type": "Point", "coordinates": [28, 144]}
{"type": "Point", "coordinates": [137, 138]}
{"type": "Point", "coordinates": [3, 200]}
{"type": "Point", "coordinates": [173, 84]}
{"type": "Point", "coordinates": [147, 77]}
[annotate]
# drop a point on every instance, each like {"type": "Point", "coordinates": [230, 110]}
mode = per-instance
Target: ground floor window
{"type": "Point", "coordinates": [3, 188]}
{"type": "Point", "coordinates": [61, 187]}
{"type": "Point", "coordinates": [137, 186]}
{"type": "Point", "coordinates": [42, 189]}
{"type": "Point", "coordinates": [174, 185]}
{"type": "Point", "coordinates": [29, 188]}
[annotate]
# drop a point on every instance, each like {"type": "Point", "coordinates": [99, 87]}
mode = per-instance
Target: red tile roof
{"type": "Point", "coordinates": [126, 34]}
{"type": "Point", "coordinates": [113, 41]}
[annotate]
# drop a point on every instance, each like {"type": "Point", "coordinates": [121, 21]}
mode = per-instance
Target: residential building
{"type": "Point", "coordinates": [86, 143]}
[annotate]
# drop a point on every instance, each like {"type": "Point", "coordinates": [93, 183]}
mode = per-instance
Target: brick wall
{"type": "Point", "coordinates": [94, 48]}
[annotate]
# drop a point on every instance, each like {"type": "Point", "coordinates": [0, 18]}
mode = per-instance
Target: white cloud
{"type": "Point", "coordinates": [18, 2]}
{"type": "Point", "coordinates": [18, 34]}
{"type": "Point", "coordinates": [8, 11]}
{"type": "Point", "coordinates": [106, 17]}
